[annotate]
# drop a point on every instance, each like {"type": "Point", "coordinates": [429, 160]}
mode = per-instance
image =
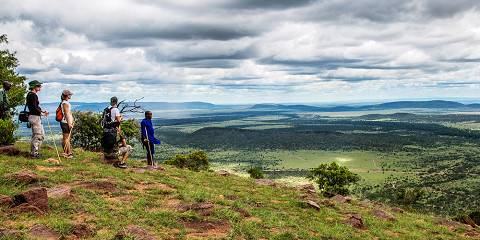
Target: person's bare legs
{"type": "Point", "coordinates": [125, 157]}
{"type": "Point", "coordinates": [67, 147]}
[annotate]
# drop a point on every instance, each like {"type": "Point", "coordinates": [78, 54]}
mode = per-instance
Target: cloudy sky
{"type": "Point", "coordinates": [246, 51]}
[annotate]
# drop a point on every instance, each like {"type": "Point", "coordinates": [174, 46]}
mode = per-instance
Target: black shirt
{"type": "Point", "coordinates": [33, 104]}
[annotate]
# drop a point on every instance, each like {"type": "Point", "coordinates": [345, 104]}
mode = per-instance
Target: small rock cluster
{"type": "Point", "coordinates": [34, 200]}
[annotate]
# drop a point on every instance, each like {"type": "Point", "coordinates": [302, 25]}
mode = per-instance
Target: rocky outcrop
{"type": "Point", "coordinates": [265, 182]}
{"type": "Point", "coordinates": [355, 220]}
{"type": "Point", "coordinates": [26, 177]}
{"type": "Point", "coordinates": [134, 232]}
{"type": "Point", "coordinates": [82, 231]}
{"type": "Point", "coordinates": [9, 150]}
{"type": "Point", "coordinates": [36, 197]}
{"type": "Point", "coordinates": [5, 201]}
{"type": "Point", "coordinates": [312, 204]}
{"type": "Point", "coordinates": [59, 192]}
{"type": "Point", "coordinates": [341, 199]}
{"type": "Point", "coordinates": [383, 215]}
{"type": "Point", "coordinates": [39, 231]}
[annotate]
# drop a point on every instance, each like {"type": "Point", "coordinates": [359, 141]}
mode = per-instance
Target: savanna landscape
{"type": "Point", "coordinates": [239, 119]}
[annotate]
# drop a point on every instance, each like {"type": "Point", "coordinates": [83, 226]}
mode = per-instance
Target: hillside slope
{"type": "Point", "coordinates": [92, 200]}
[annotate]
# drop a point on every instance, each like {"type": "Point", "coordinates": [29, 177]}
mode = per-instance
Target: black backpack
{"type": "Point", "coordinates": [107, 119]}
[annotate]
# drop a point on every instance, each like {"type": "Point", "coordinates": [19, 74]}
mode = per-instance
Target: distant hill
{"type": "Point", "coordinates": [434, 104]}
{"type": "Point", "coordinates": [97, 107]}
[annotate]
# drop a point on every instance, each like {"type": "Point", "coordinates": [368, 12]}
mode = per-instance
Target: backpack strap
{"type": "Point", "coordinates": [25, 108]}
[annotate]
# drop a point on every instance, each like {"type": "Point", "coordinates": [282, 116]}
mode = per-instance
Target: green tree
{"type": "Point", "coordinates": [195, 161]}
{"type": "Point", "coordinates": [131, 130]}
{"type": "Point", "coordinates": [16, 95]}
{"type": "Point", "coordinates": [87, 131]}
{"type": "Point", "coordinates": [255, 172]}
{"type": "Point", "coordinates": [8, 65]}
{"type": "Point", "coordinates": [333, 179]}
{"type": "Point", "coordinates": [7, 127]}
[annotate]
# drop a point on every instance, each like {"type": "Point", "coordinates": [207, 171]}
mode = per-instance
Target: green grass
{"type": "Point", "coordinates": [276, 212]}
{"type": "Point", "coordinates": [368, 164]}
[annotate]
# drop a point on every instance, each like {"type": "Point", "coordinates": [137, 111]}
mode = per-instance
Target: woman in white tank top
{"type": "Point", "coordinates": [66, 124]}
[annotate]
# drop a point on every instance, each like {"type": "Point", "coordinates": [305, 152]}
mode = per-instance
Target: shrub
{"type": "Point", "coordinates": [7, 128]}
{"type": "Point", "coordinates": [408, 196]}
{"type": "Point", "coordinates": [87, 132]}
{"type": "Point", "coordinates": [131, 130]}
{"type": "Point", "coordinates": [333, 179]}
{"type": "Point", "coordinates": [8, 72]}
{"type": "Point", "coordinates": [195, 161]}
{"type": "Point", "coordinates": [255, 172]}
{"type": "Point", "coordinates": [16, 95]}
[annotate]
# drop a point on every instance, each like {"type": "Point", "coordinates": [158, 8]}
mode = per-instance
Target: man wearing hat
{"type": "Point", "coordinates": [4, 105]}
{"type": "Point", "coordinates": [67, 123]}
{"type": "Point", "coordinates": [34, 118]}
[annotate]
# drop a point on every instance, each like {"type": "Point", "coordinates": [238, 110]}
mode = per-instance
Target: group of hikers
{"type": "Point", "coordinates": [114, 144]}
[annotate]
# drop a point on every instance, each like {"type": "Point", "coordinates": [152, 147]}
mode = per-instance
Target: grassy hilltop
{"type": "Point", "coordinates": [181, 204]}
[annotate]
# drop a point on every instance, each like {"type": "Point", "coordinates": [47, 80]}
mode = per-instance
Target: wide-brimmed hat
{"type": "Point", "coordinates": [67, 93]}
{"type": "Point", "coordinates": [34, 83]}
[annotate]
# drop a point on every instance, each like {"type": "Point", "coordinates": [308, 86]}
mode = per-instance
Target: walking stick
{"type": "Point", "coordinates": [149, 150]}
{"type": "Point", "coordinates": [53, 138]}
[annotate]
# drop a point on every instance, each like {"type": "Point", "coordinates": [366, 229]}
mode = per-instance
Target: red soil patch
{"type": "Point", "coordinates": [210, 229]}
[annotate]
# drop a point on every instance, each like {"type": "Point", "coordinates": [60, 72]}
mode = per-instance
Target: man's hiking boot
{"type": "Point", "coordinates": [35, 156]}
{"type": "Point", "coordinates": [120, 165]}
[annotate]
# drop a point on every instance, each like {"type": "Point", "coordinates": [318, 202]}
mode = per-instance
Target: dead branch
{"type": "Point", "coordinates": [133, 107]}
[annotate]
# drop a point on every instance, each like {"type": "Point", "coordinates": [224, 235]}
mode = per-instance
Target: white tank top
{"type": "Point", "coordinates": [64, 120]}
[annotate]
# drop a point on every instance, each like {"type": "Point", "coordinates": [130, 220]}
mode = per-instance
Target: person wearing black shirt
{"type": "Point", "coordinates": [34, 118]}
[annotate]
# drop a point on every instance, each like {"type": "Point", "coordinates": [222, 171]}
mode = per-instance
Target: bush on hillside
{"type": "Point", "coordinates": [255, 172]}
{"type": "Point", "coordinates": [131, 130]}
{"type": "Point", "coordinates": [7, 128]}
{"type": "Point", "coordinates": [195, 161]}
{"type": "Point", "coordinates": [333, 179]}
{"type": "Point", "coordinates": [408, 196]}
{"type": "Point", "coordinates": [87, 132]}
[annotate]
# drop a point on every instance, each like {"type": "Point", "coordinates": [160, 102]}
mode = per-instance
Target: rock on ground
{"type": "Point", "coordinates": [26, 208]}
{"type": "Point", "coordinates": [202, 229]}
{"type": "Point", "coordinates": [308, 188]}
{"type": "Point", "coordinates": [36, 197]}
{"type": "Point", "coordinates": [5, 201]}
{"type": "Point", "coordinates": [24, 176]}
{"type": "Point", "coordinates": [204, 209]}
{"type": "Point", "coordinates": [101, 185]}
{"type": "Point", "coordinates": [313, 204]}
{"type": "Point", "coordinates": [341, 199]}
{"type": "Point", "coordinates": [9, 150]}
{"type": "Point", "coordinates": [383, 215]}
{"type": "Point", "coordinates": [43, 232]}
{"type": "Point", "coordinates": [136, 232]}
{"type": "Point", "coordinates": [265, 182]}
{"type": "Point", "coordinates": [356, 221]}
{"type": "Point", "coordinates": [398, 210]}
{"type": "Point", "coordinates": [59, 192]}
{"type": "Point", "coordinates": [10, 234]}
{"type": "Point", "coordinates": [82, 230]}
{"type": "Point", "coordinates": [223, 173]}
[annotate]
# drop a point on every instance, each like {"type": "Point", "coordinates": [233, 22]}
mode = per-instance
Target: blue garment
{"type": "Point", "coordinates": [148, 126]}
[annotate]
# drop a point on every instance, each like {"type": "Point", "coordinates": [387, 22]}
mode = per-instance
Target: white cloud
{"type": "Point", "coordinates": [247, 51]}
